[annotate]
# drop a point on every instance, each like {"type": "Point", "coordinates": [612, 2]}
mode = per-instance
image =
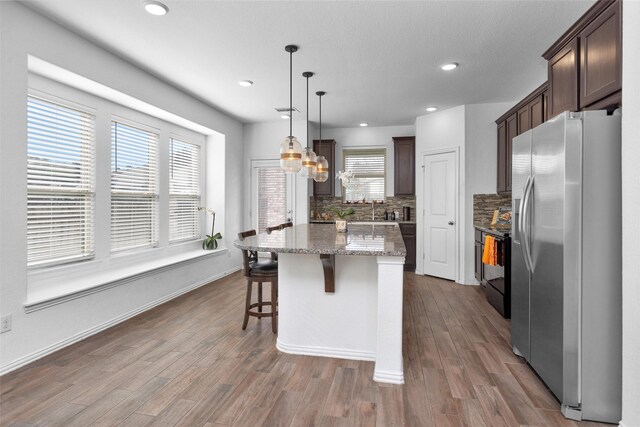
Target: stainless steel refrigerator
{"type": "Point", "coordinates": [566, 278]}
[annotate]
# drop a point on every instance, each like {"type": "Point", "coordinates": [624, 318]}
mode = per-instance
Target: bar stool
{"type": "Point", "coordinates": [259, 271]}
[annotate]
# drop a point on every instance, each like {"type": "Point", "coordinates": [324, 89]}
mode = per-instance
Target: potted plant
{"type": "Point", "coordinates": [342, 214]}
{"type": "Point", "coordinates": [211, 241]}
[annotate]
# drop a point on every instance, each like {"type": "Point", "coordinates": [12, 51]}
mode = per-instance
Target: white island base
{"type": "Point", "coordinates": [362, 320]}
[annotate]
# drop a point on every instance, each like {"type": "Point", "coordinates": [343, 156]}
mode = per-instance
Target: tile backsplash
{"type": "Point", "coordinates": [323, 205]}
{"type": "Point", "coordinates": [485, 204]}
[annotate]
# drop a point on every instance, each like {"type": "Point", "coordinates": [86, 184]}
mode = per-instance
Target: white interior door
{"type": "Point", "coordinates": [272, 195]}
{"type": "Point", "coordinates": [439, 240]}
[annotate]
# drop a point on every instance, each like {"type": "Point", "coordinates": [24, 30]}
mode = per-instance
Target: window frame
{"type": "Point", "coordinates": [382, 150]}
{"type": "Point", "coordinates": [201, 188]}
{"type": "Point", "coordinates": [90, 192]}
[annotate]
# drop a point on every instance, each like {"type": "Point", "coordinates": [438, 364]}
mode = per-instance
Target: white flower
{"type": "Point", "coordinates": [208, 210]}
{"type": "Point", "coordinates": [345, 176]}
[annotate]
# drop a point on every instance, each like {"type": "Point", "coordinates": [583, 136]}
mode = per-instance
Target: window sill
{"type": "Point", "coordinates": [57, 293]}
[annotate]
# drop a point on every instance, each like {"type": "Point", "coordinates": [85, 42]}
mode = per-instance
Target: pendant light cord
{"type": "Point", "coordinates": [320, 97]}
{"type": "Point", "coordinates": [307, 113]}
{"type": "Point", "coordinates": [291, 99]}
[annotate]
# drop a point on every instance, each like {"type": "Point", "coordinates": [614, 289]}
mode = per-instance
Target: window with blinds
{"type": "Point", "coordinates": [134, 187]}
{"type": "Point", "coordinates": [272, 197]}
{"type": "Point", "coordinates": [184, 190]}
{"type": "Point", "coordinates": [60, 183]}
{"type": "Point", "coordinates": [368, 166]}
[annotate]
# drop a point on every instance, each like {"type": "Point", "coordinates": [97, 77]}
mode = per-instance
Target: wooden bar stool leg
{"type": "Point", "coordinates": [274, 305]}
{"type": "Point", "coordinates": [260, 298]}
{"type": "Point", "coordinates": [247, 305]}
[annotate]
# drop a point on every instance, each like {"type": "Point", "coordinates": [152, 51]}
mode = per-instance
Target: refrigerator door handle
{"type": "Point", "coordinates": [520, 207]}
{"type": "Point", "coordinates": [524, 215]}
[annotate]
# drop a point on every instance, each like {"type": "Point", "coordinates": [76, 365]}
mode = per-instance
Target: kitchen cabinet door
{"type": "Point", "coordinates": [512, 132]}
{"type": "Point", "coordinates": [563, 79]}
{"type": "Point", "coordinates": [328, 150]}
{"type": "Point", "coordinates": [536, 111]}
{"type": "Point", "coordinates": [404, 174]}
{"type": "Point", "coordinates": [502, 157]}
{"type": "Point", "coordinates": [478, 257]}
{"type": "Point", "coordinates": [524, 119]}
{"type": "Point", "coordinates": [601, 57]}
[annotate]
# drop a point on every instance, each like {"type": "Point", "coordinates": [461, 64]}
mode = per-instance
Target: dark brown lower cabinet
{"type": "Point", "coordinates": [409, 236]}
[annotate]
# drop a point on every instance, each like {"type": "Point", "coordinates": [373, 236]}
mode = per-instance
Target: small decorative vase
{"type": "Point", "coordinates": [341, 225]}
{"type": "Point", "coordinates": [212, 244]}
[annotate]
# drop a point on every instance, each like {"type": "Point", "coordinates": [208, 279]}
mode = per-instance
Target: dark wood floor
{"type": "Point", "coordinates": [188, 363]}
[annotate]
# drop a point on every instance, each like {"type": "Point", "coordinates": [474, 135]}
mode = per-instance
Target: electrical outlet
{"type": "Point", "coordinates": [5, 323]}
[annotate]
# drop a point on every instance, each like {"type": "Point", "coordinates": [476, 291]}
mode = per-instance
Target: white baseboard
{"type": "Point", "coordinates": [388, 377]}
{"type": "Point", "coordinates": [338, 353]}
{"type": "Point", "coordinates": [99, 328]}
{"type": "Point", "coordinates": [472, 282]}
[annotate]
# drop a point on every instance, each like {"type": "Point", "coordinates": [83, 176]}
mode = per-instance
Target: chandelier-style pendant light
{"type": "Point", "coordinates": [308, 156]}
{"type": "Point", "coordinates": [322, 165]}
{"type": "Point", "coordinates": [290, 148]}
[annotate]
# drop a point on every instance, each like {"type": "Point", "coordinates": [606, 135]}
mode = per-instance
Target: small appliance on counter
{"type": "Point", "coordinates": [406, 213]}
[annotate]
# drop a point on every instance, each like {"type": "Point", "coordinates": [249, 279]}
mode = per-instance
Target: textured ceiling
{"type": "Point", "coordinates": [378, 61]}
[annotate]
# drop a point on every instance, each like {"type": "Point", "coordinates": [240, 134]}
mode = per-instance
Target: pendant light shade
{"type": "Point", "coordinates": [290, 148]}
{"type": "Point", "coordinates": [322, 165]}
{"type": "Point", "coordinates": [290, 155]}
{"type": "Point", "coordinates": [308, 156]}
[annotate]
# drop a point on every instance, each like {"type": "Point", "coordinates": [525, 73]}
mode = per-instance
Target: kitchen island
{"type": "Point", "coordinates": [340, 294]}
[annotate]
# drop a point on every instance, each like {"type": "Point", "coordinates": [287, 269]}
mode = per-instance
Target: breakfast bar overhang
{"type": "Point", "coordinates": [362, 318]}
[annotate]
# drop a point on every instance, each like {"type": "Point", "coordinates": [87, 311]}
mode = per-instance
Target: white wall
{"type": "Point", "coordinates": [436, 131]}
{"type": "Point", "coordinates": [480, 169]}
{"type": "Point", "coordinates": [369, 136]}
{"type": "Point", "coordinates": [262, 142]}
{"type": "Point", "coordinates": [472, 130]}
{"type": "Point", "coordinates": [630, 207]}
{"type": "Point", "coordinates": [25, 32]}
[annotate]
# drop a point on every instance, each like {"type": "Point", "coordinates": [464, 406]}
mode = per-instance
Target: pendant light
{"type": "Point", "coordinates": [290, 148]}
{"type": "Point", "coordinates": [322, 165]}
{"type": "Point", "coordinates": [308, 156]}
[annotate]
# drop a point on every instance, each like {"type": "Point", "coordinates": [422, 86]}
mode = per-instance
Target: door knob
{"type": "Point", "coordinates": [451, 222]}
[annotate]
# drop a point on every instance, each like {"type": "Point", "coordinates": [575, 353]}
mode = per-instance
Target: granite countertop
{"type": "Point", "coordinates": [500, 230]}
{"type": "Point", "coordinates": [377, 221]}
{"type": "Point", "coordinates": [376, 240]}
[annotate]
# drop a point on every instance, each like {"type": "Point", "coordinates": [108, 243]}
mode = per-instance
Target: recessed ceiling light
{"type": "Point", "coordinates": [285, 116]}
{"type": "Point", "coordinates": [364, 124]}
{"type": "Point", "coordinates": [450, 66]}
{"type": "Point", "coordinates": [155, 8]}
{"type": "Point", "coordinates": [245, 83]}
{"type": "Point", "coordinates": [431, 109]}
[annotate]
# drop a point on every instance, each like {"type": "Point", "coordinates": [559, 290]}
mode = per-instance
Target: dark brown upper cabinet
{"type": "Point", "coordinates": [502, 157]}
{"type": "Point", "coordinates": [525, 115]}
{"type": "Point", "coordinates": [404, 171]}
{"type": "Point", "coordinates": [585, 64]}
{"type": "Point", "coordinates": [563, 79]}
{"type": "Point", "coordinates": [328, 150]}
{"type": "Point", "coordinates": [601, 57]}
{"type": "Point", "coordinates": [512, 132]}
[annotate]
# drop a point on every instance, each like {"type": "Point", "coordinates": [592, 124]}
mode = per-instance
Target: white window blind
{"type": "Point", "coordinates": [368, 166]}
{"type": "Point", "coordinates": [184, 190]}
{"type": "Point", "coordinates": [134, 187]}
{"type": "Point", "coordinates": [272, 197]}
{"type": "Point", "coordinates": [60, 183]}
